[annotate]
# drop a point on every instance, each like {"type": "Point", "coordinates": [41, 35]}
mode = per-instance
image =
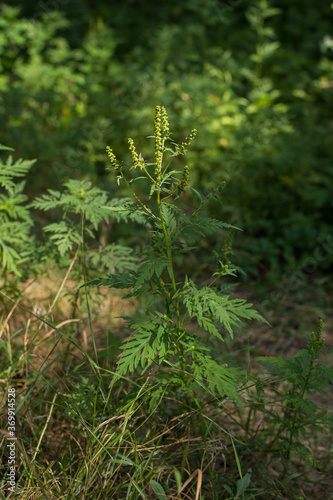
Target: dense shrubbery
{"type": "Point", "coordinates": [255, 77]}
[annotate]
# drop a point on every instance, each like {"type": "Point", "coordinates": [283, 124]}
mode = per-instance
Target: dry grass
{"type": "Point", "coordinates": [47, 360]}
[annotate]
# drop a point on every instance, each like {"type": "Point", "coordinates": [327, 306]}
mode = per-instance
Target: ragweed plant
{"type": "Point", "coordinates": [180, 317]}
{"type": "Point", "coordinates": [299, 418]}
{"type": "Point", "coordinates": [80, 204]}
{"type": "Point", "coordinates": [81, 213]}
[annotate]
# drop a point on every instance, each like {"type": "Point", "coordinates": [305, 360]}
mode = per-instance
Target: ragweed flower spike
{"type": "Point", "coordinates": [165, 123]}
{"type": "Point", "coordinates": [182, 149]}
{"type": "Point", "coordinates": [137, 161]}
{"type": "Point", "coordinates": [115, 163]}
{"type": "Point", "coordinates": [159, 143]}
{"type": "Point", "coordinates": [184, 182]}
{"type": "Point", "coordinates": [217, 191]}
{"type": "Point", "coordinates": [226, 250]}
{"type": "Point", "coordinates": [316, 339]}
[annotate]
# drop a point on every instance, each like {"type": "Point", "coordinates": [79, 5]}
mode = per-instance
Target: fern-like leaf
{"type": "Point", "coordinates": [219, 378]}
{"type": "Point", "coordinates": [125, 210]}
{"type": "Point", "coordinates": [116, 280]}
{"type": "Point", "coordinates": [192, 227]}
{"type": "Point", "coordinates": [146, 344]}
{"type": "Point", "coordinates": [151, 265]}
{"type": "Point", "coordinates": [206, 303]}
{"type": "Point", "coordinates": [63, 236]}
{"type": "Point", "coordinates": [11, 204]}
{"type": "Point", "coordinates": [114, 257]}
{"type": "Point", "coordinates": [10, 170]}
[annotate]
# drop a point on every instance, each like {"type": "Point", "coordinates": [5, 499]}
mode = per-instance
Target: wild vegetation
{"type": "Point", "coordinates": [158, 293]}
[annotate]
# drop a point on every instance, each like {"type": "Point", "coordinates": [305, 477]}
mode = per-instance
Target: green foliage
{"type": "Point", "coordinates": [10, 170]}
{"type": "Point", "coordinates": [206, 301]}
{"type": "Point", "coordinates": [78, 198]}
{"type": "Point", "coordinates": [299, 417]}
{"type": "Point", "coordinates": [149, 342]}
{"type": "Point", "coordinates": [83, 209]}
{"type": "Point", "coordinates": [256, 79]}
{"type": "Point", "coordinates": [16, 242]}
{"type": "Point", "coordinates": [158, 490]}
{"type": "Point", "coordinates": [161, 335]}
{"type": "Point", "coordinates": [259, 90]}
{"type": "Point", "coordinates": [113, 257]}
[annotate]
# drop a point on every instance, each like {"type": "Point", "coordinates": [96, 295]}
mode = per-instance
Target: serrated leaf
{"type": "Point", "coordinates": [63, 236]}
{"type": "Point", "coordinates": [151, 265]}
{"type": "Point", "coordinates": [10, 170]}
{"type": "Point", "coordinates": [136, 351]}
{"type": "Point", "coordinates": [126, 211]}
{"type": "Point", "coordinates": [168, 218]}
{"type": "Point", "coordinates": [116, 280]}
{"type": "Point", "coordinates": [218, 378]}
{"type": "Point", "coordinates": [206, 303]}
{"type": "Point", "coordinates": [114, 257]}
{"type": "Point", "coordinates": [192, 227]}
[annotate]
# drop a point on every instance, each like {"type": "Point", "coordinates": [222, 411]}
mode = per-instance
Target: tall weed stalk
{"type": "Point", "coordinates": [181, 319]}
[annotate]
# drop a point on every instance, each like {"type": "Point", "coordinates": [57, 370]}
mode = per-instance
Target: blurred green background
{"type": "Point", "coordinates": [253, 77]}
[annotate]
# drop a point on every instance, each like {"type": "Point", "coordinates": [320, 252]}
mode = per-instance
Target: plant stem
{"type": "Point", "coordinates": [172, 275]}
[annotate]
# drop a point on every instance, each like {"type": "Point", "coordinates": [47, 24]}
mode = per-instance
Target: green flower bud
{"type": "Point", "coordinates": [114, 162]}
{"type": "Point", "coordinates": [158, 141]}
{"type": "Point", "coordinates": [182, 149]}
{"type": "Point", "coordinates": [165, 123]}
{"type": "Point", "coordinates": [184, 182]}
{"type": "Point", "coordinates": [137, 161]}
